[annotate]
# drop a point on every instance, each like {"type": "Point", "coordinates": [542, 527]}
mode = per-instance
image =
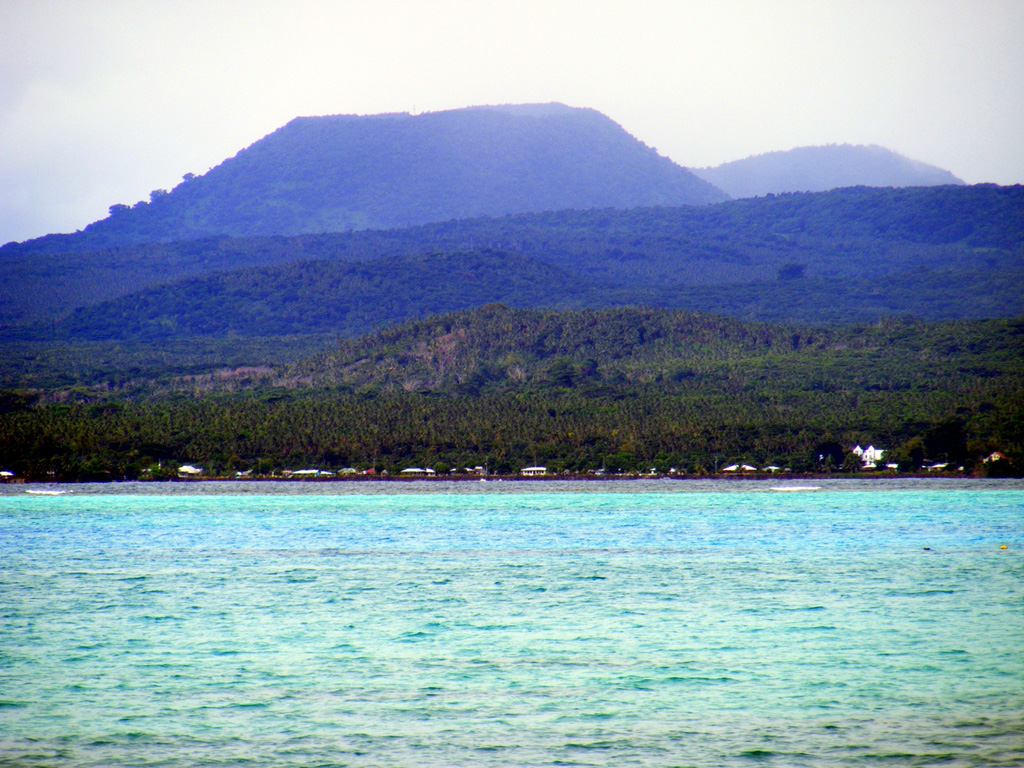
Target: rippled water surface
{"type": "Point", "coordinates": [513, 625]}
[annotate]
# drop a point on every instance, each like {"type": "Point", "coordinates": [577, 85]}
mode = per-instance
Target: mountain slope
{"type": "Point", "coordinates": [496, 347]}
{"type": "Point", "coordinates": [818, 169]}
{"type": "Point", "coordinates": [345, 172]}
{"type": "Point", "coordinates": [330, 298]}
{"type": "Point", "coordinates": [889, 240]}
{"type": "Point", "coordinates": [849, 255]}
{"type": "Point", "coordinates": [342, 299]}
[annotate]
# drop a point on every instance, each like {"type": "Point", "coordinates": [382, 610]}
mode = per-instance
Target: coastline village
{"type": "Point", "coordinates": [870, 459]}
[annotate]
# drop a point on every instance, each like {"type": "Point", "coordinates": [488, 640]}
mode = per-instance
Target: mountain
{"type": "Point", "coordinates": [819, 169]}
{"type": "Point", "coordinates": [347, 172]}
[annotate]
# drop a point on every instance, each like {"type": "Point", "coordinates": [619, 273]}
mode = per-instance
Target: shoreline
{"type": "Point", "coordinates": [327, 482]}
{"type": "Point", "coordinates": [507, 478]}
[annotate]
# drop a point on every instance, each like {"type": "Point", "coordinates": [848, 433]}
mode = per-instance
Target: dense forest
{"type": "Point", "coordinates": [620, 431]}
{"type": "Point", "coordinates": [617, 390]}
{"type": "Point", "coordinates": [335, 298]}
{"type": "Point", "coordinates": [497, 348]}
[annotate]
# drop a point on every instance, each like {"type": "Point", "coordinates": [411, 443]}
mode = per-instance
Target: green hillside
{"type": "Point", "coordinates": [843, 256]}
{"type": "Point", "coordinates": [335, 298]}
{"type": "Point", "coordinates": [344, 299]}
{"type": "Point", "coordinates": [498, 348]}
{"type": "Point", "coordinates": [622, 389]}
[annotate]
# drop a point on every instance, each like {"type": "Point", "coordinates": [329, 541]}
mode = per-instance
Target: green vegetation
{"type": "Point", "coordinates": [324, 297]}
{"type": "Point", "coordinates": [936, 253]}
{"type": "Point", "coordinates": [239, 354]}
{"type": "Point", "coordinates": [627, 431]}
{"type": "Point", "coordinates": [90, 369]}
{"type": "Point", "coordinates": [673, 351]}
{"type": "Point", "coordinates": [623, 390]}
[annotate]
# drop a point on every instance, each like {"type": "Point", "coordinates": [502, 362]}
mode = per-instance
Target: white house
{"type": "Point", "coordinates": [533, 471]}
{"type": "Point", "coordinates": [187, 470]}
{"type": "Point", "coordinates": [869, 457]}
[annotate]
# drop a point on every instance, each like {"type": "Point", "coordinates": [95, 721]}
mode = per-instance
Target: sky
{"type": "Point", "coordinates": [102, 102]}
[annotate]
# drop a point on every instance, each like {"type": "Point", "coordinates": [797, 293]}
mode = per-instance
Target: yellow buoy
{"type": "Point", "coordinates": [1003, 546]}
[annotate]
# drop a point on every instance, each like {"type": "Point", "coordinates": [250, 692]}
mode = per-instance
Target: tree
{"type": "Point", "coordinates": [947, 442]}
{"type": "Point", "coordinates": [829, 455]}
{"type": "Point", "coordinates": [851, 463]}
{"type": "Point", "coordinates": [562, 373]}
{"type": "Point", "coordinates": [910, 455]}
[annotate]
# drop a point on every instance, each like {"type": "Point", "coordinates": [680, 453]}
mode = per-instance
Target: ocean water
{"type": "Point", "coordinates": [515, 624]}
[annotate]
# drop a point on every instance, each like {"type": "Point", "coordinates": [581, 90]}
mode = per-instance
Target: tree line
{"type": "Point", "coordinates": [632, 430]}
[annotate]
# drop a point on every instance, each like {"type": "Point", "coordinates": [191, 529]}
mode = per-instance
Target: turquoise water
{"type": "Point", "coordinates": [512, 625]}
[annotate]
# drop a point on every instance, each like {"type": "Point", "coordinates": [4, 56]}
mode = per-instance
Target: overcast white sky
{"type": "Point", "coordinates": [103, 101]}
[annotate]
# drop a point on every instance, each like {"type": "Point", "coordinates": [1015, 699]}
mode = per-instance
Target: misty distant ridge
{"type": "Point", "coordinates": [342, 173]}
{"type": "Point", "coordinates": [820, 169]}
{"type": "Point", "coordinates": [347, 172]}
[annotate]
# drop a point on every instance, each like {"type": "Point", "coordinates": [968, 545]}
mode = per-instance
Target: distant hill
{"type": "Point", "coordinates": [850, 255]}
{"type": "Point", "coordinates": [332, 298]}
{"type": "Point", "coordinates": [343, 299]}
{"type": "Point", "coordinates": [819, 169]}
{"type": "Point", "coordinates": [499, 348]}
{"type": "Point", "coordinates": [346, 172]}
